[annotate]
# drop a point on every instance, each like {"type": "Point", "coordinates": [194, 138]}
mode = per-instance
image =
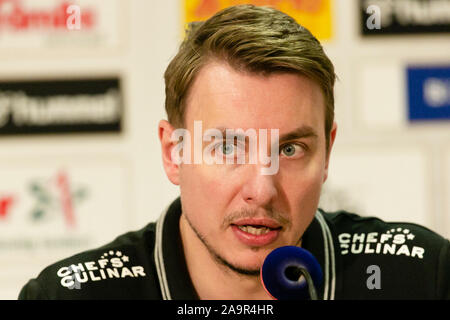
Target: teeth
{"type": "Point", "coordinates": [254, 230]}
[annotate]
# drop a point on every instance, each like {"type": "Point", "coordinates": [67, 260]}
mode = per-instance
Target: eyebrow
{"type": "Point", "coordinates": [237, 135]}
{"type": "Point", "coordinates": [298, 133]}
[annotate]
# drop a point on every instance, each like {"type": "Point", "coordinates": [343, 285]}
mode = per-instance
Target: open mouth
{"type": "Point", "coordinates": [256, 232]}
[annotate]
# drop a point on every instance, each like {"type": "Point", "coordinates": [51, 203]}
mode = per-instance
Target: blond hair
{"type": "Point", "coordinates": [253, 39]}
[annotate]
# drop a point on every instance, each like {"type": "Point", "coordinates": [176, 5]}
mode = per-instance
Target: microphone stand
{"type": "Point", "coordinates": [311, 288]}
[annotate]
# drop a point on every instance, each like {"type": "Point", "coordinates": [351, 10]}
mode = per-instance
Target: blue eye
{"type": "Point", "coordinates": [292, 150]}
{"type": "Point", "coordinates": [227, 148]}
{"type": "Point", "coordinates": [288, 150]}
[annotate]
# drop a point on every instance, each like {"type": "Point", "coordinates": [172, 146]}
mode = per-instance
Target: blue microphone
{"type": "Point", "coordinates": [291, 273]}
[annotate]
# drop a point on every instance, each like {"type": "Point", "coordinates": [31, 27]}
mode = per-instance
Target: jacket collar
{"type": "Point", "coordinates": [170, 262]}
{"type": "Point", "coordinates": [171, 266]}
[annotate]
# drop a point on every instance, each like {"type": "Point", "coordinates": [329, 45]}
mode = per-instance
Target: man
{"type": "Point", "coordinates": [250, 129]}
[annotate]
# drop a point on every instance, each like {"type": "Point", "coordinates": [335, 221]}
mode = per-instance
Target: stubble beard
{"type": "Point", "coordinates": [221, 260]}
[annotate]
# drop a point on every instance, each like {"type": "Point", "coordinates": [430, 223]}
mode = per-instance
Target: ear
{"type": "Point", "coordinates": [172, 168]}
{"type": "Point", "coordinates": [332, 138]}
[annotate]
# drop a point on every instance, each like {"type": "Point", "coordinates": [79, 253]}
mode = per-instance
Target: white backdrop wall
{"type": "Point", "coordinates": [381, 165]}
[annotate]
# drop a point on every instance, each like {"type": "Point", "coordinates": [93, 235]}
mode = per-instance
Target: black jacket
{"type": "Point", "coordinates": [413, 262]}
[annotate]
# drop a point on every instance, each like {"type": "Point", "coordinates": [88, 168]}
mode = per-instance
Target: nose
{"type": "Point", "coordinates": [258, 189]}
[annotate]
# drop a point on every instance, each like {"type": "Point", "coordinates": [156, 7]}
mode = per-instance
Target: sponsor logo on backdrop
{"type": "Point", "coordinates": [6, 203]}
{"type": "Point", "coordinates": [67, 25]}
{"type": "Point", "coordinates": [56, 196]}
{"type": "Point", "coordinates": [384, 17]}
{"type": "Point", "coordinates": [60, 106]}
{"type": "Point", "coordinates": [428, 93]}
{"type": "Point", "coordinates": [315, 15]}
{"type": "Point", "coordinates": [18, 17]}
{"type": "Point", "coordinates": [43, 204]}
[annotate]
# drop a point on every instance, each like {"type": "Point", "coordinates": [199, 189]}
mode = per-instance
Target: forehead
{"type": "Point", "coordinates": [224, 97]}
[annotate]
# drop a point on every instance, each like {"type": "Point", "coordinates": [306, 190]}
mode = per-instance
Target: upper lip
{"type": "Point", "coordinates": [264, 222]}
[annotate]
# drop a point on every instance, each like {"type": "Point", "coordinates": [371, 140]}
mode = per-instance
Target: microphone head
{"type": "Point", "coordinates": [281, 273]}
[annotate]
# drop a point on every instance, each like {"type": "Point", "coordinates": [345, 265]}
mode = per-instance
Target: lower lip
{"type": "Point", "coordinates": [255, 240]}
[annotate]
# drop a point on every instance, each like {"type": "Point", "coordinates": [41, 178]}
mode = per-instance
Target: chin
{"type": "Point", "coordinates": [252, 258]}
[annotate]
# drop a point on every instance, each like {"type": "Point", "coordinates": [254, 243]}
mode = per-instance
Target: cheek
{"type": "Point", "coordinates": [194, 188]}
{"type": "Point", "coordinates": [302, 186]}
{"type": "Point", "coordinates": [206, 192]}
{"type": "Point", "coordinates": [207, 181]}
{"type": "Point", "coordinates": [303, 198]}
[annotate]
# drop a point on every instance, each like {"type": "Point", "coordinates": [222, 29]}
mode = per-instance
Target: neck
{"type": "Point", "coordinates": [211, 279]}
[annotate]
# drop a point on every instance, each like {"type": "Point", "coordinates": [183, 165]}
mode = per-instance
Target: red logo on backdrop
{"type": "Point", "coordinates": [65, 197]}
{"type": "Point", "coordinates": [5, 206]}
{"type": "Point", "coordinates": [55, 196]}
{"type": "Point", "coordinates": [14, 16]}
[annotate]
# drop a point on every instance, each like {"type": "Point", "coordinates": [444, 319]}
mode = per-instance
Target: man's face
{"type": "Point", "coordinates": [239, 214]}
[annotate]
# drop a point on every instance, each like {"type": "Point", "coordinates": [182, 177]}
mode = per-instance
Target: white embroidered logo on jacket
{"type": "Point", "coordinates": [393, 242]}
{"type": "Point", "coordinates": [111, 265]}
